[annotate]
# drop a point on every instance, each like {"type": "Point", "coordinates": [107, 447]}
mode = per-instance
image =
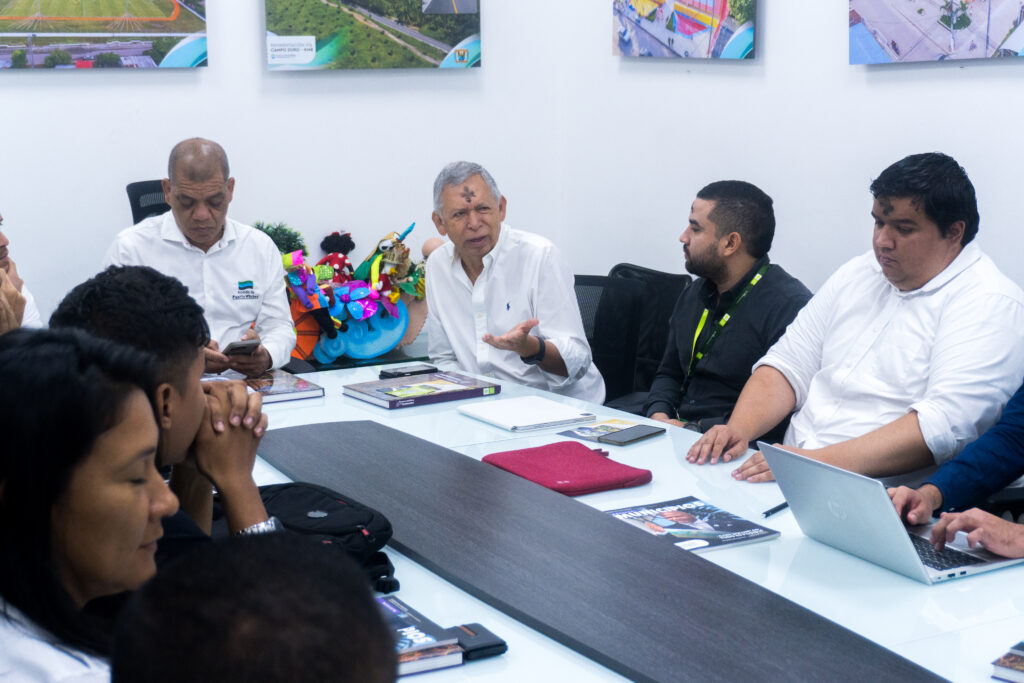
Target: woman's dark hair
{"type": "Point", "coordinates": [59, 391]}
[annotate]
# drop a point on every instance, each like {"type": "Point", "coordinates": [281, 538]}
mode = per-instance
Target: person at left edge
{"type": "Point", "coordinates": [232, 270]}
{"type": "Point", "coordinates": [12, 287]}
{"type": "Point", "coordinates": [501, 301]}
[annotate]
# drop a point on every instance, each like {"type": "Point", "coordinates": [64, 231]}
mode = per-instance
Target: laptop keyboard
{"type": "Point", "coordinates": [941, 559]}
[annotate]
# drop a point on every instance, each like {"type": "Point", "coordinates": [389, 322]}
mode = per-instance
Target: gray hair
{"type": "Point", "coordinates": [459, 172]}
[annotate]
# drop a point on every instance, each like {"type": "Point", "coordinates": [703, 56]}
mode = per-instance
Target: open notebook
{"type": "Point", "coordinates": [526, 413]}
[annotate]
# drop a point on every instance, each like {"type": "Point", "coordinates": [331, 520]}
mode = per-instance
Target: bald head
{"type": "Point", "coordinates": [197, 160]}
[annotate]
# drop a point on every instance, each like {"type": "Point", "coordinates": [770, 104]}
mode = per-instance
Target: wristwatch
{"type": "Point", "coordinates": [267, 527]}
{"type": "Point", "coordinates": [536, 358]}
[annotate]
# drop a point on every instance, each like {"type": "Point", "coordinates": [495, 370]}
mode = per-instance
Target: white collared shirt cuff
{"type": "Point", "coordinates": [936, 430]}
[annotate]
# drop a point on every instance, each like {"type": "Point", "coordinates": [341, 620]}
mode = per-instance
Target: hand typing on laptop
{"type": "Point", "coordinates": [916, 506]}
{"type": "Point", "coordinates": [995, 534]}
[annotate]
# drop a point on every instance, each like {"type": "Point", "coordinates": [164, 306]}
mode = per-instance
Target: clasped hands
{"type": "Point", "coordinates": [725, 443]}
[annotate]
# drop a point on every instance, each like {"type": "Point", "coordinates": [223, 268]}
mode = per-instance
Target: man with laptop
{"type": "Point", "coordinates": [904, 356]}
{"type": "Point", "coordinates": [501, 301]}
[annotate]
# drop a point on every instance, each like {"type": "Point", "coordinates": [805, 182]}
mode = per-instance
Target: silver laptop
{"type": "Point", "coordinates": [853, 513]}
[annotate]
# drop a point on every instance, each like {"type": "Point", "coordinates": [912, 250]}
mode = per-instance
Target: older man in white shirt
{"type": "Point", "coordinates": [232, 270]}
{"type": "Point", "coordinates": [905, 355]}
{"type": "Point", "coordinates": [491, 286]}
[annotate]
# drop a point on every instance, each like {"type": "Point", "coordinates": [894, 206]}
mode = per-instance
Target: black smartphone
{"type": "Point", "coordinates": [631, 435]}
{"type": "Point", "coordinates": [243, 347]}
{"type": "Point", "coordinates": [407, 370]}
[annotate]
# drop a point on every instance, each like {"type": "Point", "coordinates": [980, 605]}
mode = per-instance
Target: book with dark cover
{"type": "Point", "coordinates": [418, 390]}
{"type": "Point", "coordinates": [273, 386]}
{"type": "Point", "coordinates": [1010, 667]}
{"type": "Point", "coordinates": [421, 644]}
{"type": "Point", "coordinates": [691, 524]}
{"type": "Point", "coordinates": [438, 657]}
{"type": "Point", "coordinates": [279, 385]}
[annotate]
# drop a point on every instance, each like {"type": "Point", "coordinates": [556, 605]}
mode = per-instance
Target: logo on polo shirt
{"type": "Point", "coordinates": [246, 291]}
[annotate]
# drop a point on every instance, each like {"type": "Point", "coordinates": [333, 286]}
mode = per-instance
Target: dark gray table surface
{"type": "Point", "coordinates": [624, 599]}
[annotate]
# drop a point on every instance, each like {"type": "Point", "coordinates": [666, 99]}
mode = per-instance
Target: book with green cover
{"type": "Point", "coordinates": [691, 524]}
{"type": "Point", "coordinates": [417, 390]}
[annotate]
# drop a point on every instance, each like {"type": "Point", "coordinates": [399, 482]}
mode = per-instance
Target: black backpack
{"type": "Point", "coordinates": [328, 517]}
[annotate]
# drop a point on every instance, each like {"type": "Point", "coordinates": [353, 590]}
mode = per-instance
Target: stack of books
{"type": "Point", "coordinates": [1010, 667]}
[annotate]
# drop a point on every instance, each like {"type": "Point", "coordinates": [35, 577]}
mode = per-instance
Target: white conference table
{"type": "Point", "coordinates": [954, 629]}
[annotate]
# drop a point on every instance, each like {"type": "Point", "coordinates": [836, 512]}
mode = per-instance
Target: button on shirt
{"type": "Point", "coordinates": [239, 280]}
{"type": "Point", "coordinates": [862, 354]}
{"type": "Point", "coordinates": [523, 277]}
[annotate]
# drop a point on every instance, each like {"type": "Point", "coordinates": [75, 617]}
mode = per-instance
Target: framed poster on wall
{"type": "Point", "coordinates": [373, 34]}
{"type": "Point", "coordinates": [86, 34]}
{"type": "Point", "coordinates": [887, 31]}
{"type": "Point", "coordinates": [689, 29]}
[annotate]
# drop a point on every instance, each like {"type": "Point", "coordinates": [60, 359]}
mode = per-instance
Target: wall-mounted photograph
{"type": "Point", "coordinates": [688, 29]}
{"type": "Point", "coordinates": [94, 34]}
{"type": "Point", "coordinates": [886, 31]}
{"type": "Point", "coordinates": [373, 34]}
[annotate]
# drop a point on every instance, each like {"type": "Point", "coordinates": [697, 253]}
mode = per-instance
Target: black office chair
{"type": "Point", "coordinates": [610, 308]}
{"type": "Point", "coordinates": [659, 294]}
{"type": "Point", "coordinates": [146, 198]}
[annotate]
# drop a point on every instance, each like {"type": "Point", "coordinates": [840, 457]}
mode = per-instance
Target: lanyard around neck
{"type": "Point", "coordinates": [720, 324]}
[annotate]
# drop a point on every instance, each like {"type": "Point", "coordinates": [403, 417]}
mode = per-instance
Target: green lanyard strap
{"type": "Point", "coordinates": [696, 355]}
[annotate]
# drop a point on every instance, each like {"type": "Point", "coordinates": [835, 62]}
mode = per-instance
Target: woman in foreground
{"type": "Point", "coordinates": [80, 497]}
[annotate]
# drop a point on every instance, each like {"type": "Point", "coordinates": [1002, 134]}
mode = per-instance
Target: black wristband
{"type": "Point", "coordinates": [536, 358]}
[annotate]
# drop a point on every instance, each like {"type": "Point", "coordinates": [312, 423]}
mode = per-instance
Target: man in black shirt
{"type": "Point", "coordinates": [729, 317]}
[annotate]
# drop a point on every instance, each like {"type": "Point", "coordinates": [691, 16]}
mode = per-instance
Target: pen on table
{"type": "Point", "coordinates": [778, 508]}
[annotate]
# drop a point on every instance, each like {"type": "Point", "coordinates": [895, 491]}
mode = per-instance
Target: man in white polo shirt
{"type": "Point", "coordinates": [501, 301]}
{"type": "Point", "coordinates": [232, 270]}
{"type": "Point", "coordinates": [905, 355]}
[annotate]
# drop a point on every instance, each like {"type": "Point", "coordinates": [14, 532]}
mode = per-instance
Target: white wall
{"type": "Point", "coordinates": [602, 154]}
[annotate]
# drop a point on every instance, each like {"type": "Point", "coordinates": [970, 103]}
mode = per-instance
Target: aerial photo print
{"type": "Point", "coordinates": [372, 34]}
{"type": "Point", "coordinates": [885, 31]}
{"type": "Point", "coordinates": [94, 34]}
{"type": "Point", "coordinates": [694, 29]}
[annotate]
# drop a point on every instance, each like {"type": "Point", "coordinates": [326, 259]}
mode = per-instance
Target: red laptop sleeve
{"type": "Point", "coordinates": [569, 467]}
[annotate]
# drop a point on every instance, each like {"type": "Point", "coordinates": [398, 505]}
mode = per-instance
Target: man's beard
{"type": "Point", "coordinates": [708, 266]}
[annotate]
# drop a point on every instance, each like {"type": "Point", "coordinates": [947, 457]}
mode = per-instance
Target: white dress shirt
{"type": "Point", "coordinates": [862, 354]}
{"type": "Point", "coordinates": [31, 316]}
{"type": "Point", "coordinates": [239, 280]}
{"type": "Point", "coordinates": [523, 277]}
{"type": "Point", "coordinates": [28, 654]}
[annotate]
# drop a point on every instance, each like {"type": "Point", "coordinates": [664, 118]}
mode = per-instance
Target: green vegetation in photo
{"type": "Point", "coordinates": [743, 10]}
{"type": "Point", "coordinates": [362, 46]}
{"type": "Point", "coordinates": [57, 58]}
{"type": "Point", "coordinates": [161, 46]}
{"type": "Point", "coordinates": [19, 60]}
{"type": "Point", "coordinates": [106, 60]}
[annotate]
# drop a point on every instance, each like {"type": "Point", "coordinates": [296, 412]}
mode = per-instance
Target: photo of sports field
{"type": "Point", "coordinates": [884, 31]}
{"type": "Point", "coordinates": [63, 34]}
{"type": "Point", "coordinates": [372, 34]}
